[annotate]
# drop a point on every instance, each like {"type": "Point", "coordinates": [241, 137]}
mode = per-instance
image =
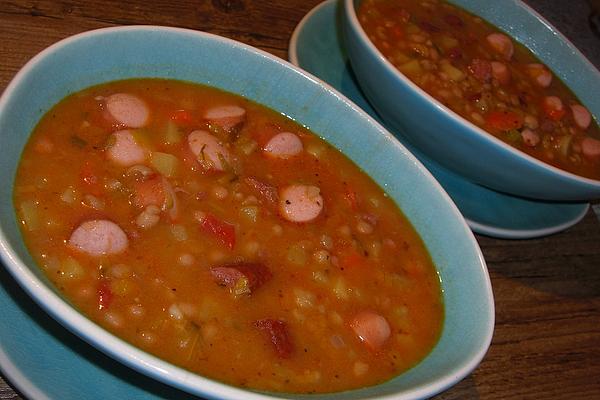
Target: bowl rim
{"type": "Point", "coordinates": [138, 359]}
{"type": "Point", "coordinates": [351, 16]}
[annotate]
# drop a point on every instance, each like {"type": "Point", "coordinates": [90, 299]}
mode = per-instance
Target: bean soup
{"type": "Point", "coordinates": [487, 78]}
{"type": "Point", "coordinates": [225, 238]}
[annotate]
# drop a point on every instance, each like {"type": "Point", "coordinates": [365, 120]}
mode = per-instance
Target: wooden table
{"type": "Point", "coordinates": [547, 291]}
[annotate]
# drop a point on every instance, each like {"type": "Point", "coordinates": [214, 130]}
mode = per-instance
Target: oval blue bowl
{"type": "Point", "coordinates": [458, 144]}
{"type": "Point", "coordinates": [130, 52]}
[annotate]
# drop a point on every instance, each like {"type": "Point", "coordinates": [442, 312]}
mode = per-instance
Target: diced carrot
{"type": "Point", "coordinates": [397, 33]}
{"type": "Point", "coordinates": [105, 294]}
{"type": "Point", "coordinates": [503, 120]}
{"type": "Point", "coordinates": [182, 117]}
{"type": "Point", "coordinates": [221, 230]}
{"type": "Point", "coordinates": [351, 259]}
{"type": "Point", "coordinates": [553, 108]}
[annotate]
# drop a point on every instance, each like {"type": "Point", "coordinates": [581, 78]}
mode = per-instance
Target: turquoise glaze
{"type": "Point", "coordinates": [316, 47]}
{"type": "Point", "coordinates": [44, 361]}
{"type": "Point", "coordinates": [456, 143]}
{"type": "Point", "coordinates": [127, 52]}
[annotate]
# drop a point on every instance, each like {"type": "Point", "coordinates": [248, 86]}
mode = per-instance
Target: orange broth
{"type": "Point", "coordinates": [316, 278]}
{"type": "Point", "coordinates": [504, 90]}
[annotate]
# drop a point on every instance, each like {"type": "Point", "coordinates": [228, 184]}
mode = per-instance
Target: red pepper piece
{"type": "Point", "coordinates": [182, 117]}
{"type": "Point", "coordinates": [105, 294]}
{"type": "Point", "coordinates": [266, 191]}
{"type": "Point", "coordinates": [221, 230]}
{"type": "Point", "coordinates": [503, 120]}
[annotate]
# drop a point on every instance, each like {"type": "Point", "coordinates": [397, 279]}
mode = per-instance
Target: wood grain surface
{"type": "Point", "coordinates": [547, 291]}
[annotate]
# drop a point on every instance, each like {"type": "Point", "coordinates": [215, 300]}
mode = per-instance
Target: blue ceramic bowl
{"type": "Point", "coordinates": [117, 53]}
{"type": "Point", "coordinates": [453, 141]}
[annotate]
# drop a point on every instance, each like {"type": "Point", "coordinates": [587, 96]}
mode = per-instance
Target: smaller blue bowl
{"type": "Point", "coordinates": [458, 144]}
{"type": "Point", "coordinates": [140, 52]}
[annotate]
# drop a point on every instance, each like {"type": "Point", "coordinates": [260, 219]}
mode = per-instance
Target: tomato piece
{"type": "Point", "coordinates": [89, 177]}
{"type": "Point", "coordinates": [149, 192]}
{"type": "Point", "coordinates": [221, 230]}
{"type": "Point", "coordinates": [182, 117]}
{"type": "Point", "coordinates": [105, 294]}
{"type": "Point", "coordinates": [504, 120]}
{"type": "Point", "coordinates": [266, 191]}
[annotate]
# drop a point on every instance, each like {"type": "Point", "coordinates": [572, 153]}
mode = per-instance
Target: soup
{"type": "Point", "coordinates": [225, 238]}
{"type": "Point", "coordinates": [487, 78]}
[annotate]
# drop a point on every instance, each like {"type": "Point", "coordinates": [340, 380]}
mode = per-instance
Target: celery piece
{"type": "Point", "coordinates": [172, 133]}
{"type": "Point", "coordinates": [71, 269]}
{"type": "Point", "coordinates": [564, 145]}
{"type": "Point", "coordinates": [249, 213]}
{"type": "Point", "coordinates": [30, 215]}
{"type": "Point", "coordinates": [246, 145]}
{"type": "Point", "coordinates": [164, 163]}
{"type": "Point", "coordinates": [513, 136]}
{"type": "Point", "coordinates": [447, 42]}
{"type": "Point", "coordinates": [241, 287]}
{"type": "Point", "coordinates": [317, 150]}
{"type": "Point", "coordinates": [411, 68]}
{"type": "Point", "coordinates": [78, 142]}
{"type": "Point", "coordinates": [141, 137]}
{"type": "Point", "coordinates": [452, 72]}
{"type": "Point", "coordinates": [296, 254]}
